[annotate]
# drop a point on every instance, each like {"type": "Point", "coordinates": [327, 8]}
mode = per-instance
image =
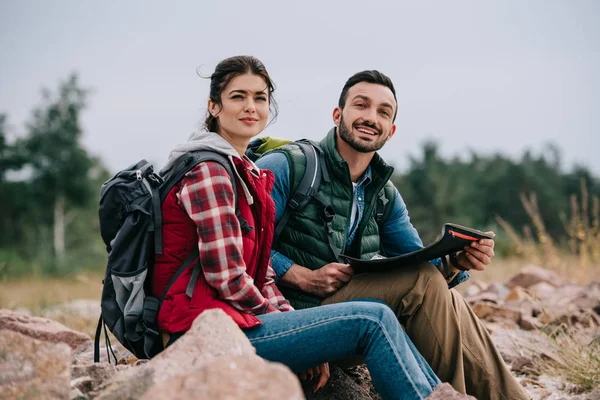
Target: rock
{"type": "Point", "coordinates": [483, 297]}
{"type": "Point", "coordinates": [255, 379]}
{"type": "Point", "coordinates": [83, 384]}
{"type": "Point", "coordinates": [542, 290]}
{"type": "Point", "coordinates": [340, 386]}
{"type": "Point", "coordinates": [84, 354]}
{"type": "Point", "coordinates": [76, 394]}
{"type": "Point", "coordinates": [578, 318]}
{"type": "Point", "coordinates": [530, 323]}
{"type": "Point", "coordinates": [475, 287]}
{"type": "Point", "coordinates": [531, 274]}
{"type": "Point", "coordinates": [361, 375]}
{"type": "Point", "coordinates": [500, 323]}
{"type": "Point", "coordinates": [513, 344]}
{"type": "Point", "coordinates": [554, 388]}
{"type": "Point", "coordinates": [213, 335]}
{"type": "Point", "coordinates": [31, 368]}
{"type": "Point", "coordinates": [589, 298]}
{"type": "Point", "coordinates": [517, 295]}
{"type": "Point", "coordinates": [500, 289]}
{"type": "Point", "coordinates": [446, 392]}
{"type": "Point", "coordinates": [524, 365]}
{"type": "Point", "coordinates": [94, 375]}
{"type": "Point", "coordinates": [41, 328]}
{"type": "Point", "coordinates": [494, 312]}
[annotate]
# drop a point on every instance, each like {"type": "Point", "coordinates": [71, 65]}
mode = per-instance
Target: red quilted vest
{"type": "Point", "coordinates": [178, 311]}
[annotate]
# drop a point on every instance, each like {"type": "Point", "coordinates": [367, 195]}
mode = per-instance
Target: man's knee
{"type": "Point", "coordinates": [434, 278]}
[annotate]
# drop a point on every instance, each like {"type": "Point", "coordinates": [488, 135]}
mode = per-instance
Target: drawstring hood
{"type": "Point", "coordinates": [211, 141]}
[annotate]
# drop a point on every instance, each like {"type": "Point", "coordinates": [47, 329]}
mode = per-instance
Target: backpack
{"type": "Point", "coordinates": [131, 227]}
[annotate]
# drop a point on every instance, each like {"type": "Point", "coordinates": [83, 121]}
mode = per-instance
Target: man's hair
{"type": "Point", "coordinates": [370, 76]}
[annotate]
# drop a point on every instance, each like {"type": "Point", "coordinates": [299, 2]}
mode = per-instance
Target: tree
{"type": "Point", "coordinates": [12, 204]}
{"type": "Point", "coordinates": [59, 163]}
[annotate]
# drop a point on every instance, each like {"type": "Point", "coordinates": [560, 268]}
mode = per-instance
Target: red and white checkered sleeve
{"type": "Point", "coordinates": [207, 196]}
{"type": "Point", "coordinates": [272, 293]}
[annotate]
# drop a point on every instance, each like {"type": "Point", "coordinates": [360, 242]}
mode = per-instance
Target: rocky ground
{"type": "Point", "coordinates": [546, 330]}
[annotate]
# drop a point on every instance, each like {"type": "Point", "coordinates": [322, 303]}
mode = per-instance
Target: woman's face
{"type": "Point", "coordinates": [244, 109]}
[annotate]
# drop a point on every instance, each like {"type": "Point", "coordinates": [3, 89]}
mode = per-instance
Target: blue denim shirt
{"type": "Point", "coordinates": [398, 236]}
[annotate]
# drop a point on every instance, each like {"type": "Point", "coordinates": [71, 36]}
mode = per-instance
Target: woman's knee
{"type": "Point", "coordinates": [375, 312]}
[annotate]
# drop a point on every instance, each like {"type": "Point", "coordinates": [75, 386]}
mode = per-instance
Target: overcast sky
{"type": "Point", "coordinates": [498, 76]}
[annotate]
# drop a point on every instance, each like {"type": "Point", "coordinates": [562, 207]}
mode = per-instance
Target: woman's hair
{"type": "Point", "coordinates": [228, 69]}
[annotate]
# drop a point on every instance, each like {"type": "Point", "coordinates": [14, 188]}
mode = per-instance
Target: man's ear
{"type": "Point", "coordinates": [392, 131]}
{"type": "Point", "coordinates": [337, 116]}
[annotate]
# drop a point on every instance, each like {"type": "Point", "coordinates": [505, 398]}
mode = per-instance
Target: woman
{"type": "Point", "coordinates": [236, 273]}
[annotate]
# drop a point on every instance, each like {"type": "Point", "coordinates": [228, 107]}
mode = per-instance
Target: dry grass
{"type": "Point", "coordinates": [580, 355]}
{"type": "Point", "coordinates": [580, 263]}
{"type": "Point", "coordinates": [37, 293]}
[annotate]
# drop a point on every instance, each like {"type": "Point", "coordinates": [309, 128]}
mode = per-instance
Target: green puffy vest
{"type": "Point", "coordinates": [307, 239]}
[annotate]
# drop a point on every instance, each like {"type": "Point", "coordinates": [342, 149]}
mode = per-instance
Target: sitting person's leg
{"type": "Point", "coordinates": [443, 328]}
{"type": "Point", "coordinates": [306, 338]}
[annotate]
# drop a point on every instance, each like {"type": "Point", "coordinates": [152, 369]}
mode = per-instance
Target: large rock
{"type": "Point", "coordinates": [531, 274]}
{"type": "Point", "coordinates": [514, 344]}
{"type": "Point", "coordinates": [41, 328]}
{"type": "Point", "coordinates": [247, 377]}
{"type": "Point", "coordinates": [492, 312]}
{"type": "Point", "coordinates": [542, 291]}
{"type": "Point", "coordinates": [498, 289]}
{"type": "Point", "coordinates": [213, 335]}
{"type": "Point", "coordinates": [33, 369]}
{"type": "Point", "coordinates": [447, 392]}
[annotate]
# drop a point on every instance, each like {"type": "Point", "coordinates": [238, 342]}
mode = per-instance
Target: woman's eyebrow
{"type": "Point", "coordinates": [244, 91]}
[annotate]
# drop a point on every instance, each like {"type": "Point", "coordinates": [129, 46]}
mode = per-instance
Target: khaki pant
{"type": "Point", "coordinates": [442, 326]}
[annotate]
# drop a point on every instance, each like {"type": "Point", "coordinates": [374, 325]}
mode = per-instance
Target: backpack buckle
{"type": "Point", "coordinates": [155, 179]}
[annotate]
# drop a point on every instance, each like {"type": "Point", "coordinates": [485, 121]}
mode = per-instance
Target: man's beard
{"type": "Point", "coordinates": [360, 145]}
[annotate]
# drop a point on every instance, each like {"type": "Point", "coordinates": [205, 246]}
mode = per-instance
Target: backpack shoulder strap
{"type": "Point", "coordinates": [385, 202]}
{"type": "Point", "coordinates": [186, 162]}
{"type": "Point", "coordinates": [308, 186]}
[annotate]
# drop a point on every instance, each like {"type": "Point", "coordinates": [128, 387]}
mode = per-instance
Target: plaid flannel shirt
{"type": "Point", "coordinates": [207, 196]}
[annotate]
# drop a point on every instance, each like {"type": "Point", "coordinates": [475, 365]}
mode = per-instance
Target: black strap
{"type": "Point", "coordinates": [109, 349]}
{"type": "Point", "coordinates": [309, 184]}
{"type": "Point", "coordinates": [151, 336]}
{"type": "Point", "coordinates": [97, 340]}
{"type": "Point", "coordinates": [188, 261]}
{"type": "Point", "coordinates": [189, 290]}
{"type": "Point", "coordinates": [158, 244]}
{"type": "Point", "coordinates": [327, 214]}
{"type": "Point", "coordinates": [381, 206]}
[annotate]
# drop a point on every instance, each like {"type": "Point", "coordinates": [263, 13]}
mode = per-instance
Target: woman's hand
{"type": "Point", "coordinates": [322, 371]}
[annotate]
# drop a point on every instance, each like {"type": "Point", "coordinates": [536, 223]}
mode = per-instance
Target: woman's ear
{"type": "Point", "coordinates": [213, 109]}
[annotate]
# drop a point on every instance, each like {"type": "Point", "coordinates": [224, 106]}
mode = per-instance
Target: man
{"type": "Point", "coordinates": [342, 219]}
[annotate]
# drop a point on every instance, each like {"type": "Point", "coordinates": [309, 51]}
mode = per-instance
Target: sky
{"type": "Point", "coordinates": [502, 76]}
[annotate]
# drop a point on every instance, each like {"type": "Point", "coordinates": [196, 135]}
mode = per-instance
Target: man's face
{"type": "Point", "coordinates": [366, 122]}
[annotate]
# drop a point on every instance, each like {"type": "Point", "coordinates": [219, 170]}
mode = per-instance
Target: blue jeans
{"type": "Point", "coordinates": [306, 338]}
